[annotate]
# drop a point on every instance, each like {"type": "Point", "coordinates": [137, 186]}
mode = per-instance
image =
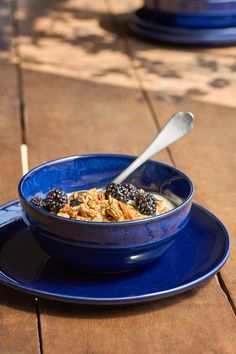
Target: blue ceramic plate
{"type": "Point", "coordinates": [195, 20]}
{"type": "Point", "coordinates": [181, 35]}
{"type": "Point", "coordinates": [143, 21]}
{"type": "Point", "coordinates": [197, 254]}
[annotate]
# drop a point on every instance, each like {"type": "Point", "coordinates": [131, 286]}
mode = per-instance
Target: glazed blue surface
{"type": "Point", "coordinates": [194, 20]}
{"type": "Point", "coordinates": [193, 7]}
{"type": "Point", "coordinates": [197, 254]}
{"type": "Point", "coordinates": [112, 246]}
{"type": "Point", "coordinates": [214, 30]}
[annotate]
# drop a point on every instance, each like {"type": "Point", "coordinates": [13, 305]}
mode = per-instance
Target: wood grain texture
{"type": "Point", "coordinates": [86, 113]}
{"type": "Point", "coordinates": [209, 154]}
{"type": "Point", "coordinates": [189, 323]}
{"type": "Point", "coordinates": [18, 324]}
{"type": "Point", "coordinates": [208, 157]}
{"type": "Point", "coordinates": [86, 118]}
{"type": "Point", "coordinates": [83, 105]}
{"type": "Point", "coordinates": [10, 134]}
{"type": "Point", "coordinates": [18, 320]}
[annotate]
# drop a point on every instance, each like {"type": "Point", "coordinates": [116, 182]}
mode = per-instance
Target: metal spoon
{"type": "Point", "coordinates": [179, 124]}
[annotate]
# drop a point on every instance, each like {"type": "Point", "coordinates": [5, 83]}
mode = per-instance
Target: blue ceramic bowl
{"type": "Point", "coordinates": [100, 246]}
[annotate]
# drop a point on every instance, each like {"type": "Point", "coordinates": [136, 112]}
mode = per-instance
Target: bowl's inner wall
{"type": "Point", "coordinates": [85, 172]}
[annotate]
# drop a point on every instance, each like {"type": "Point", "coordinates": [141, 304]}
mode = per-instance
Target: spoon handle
{"type": "Point", "coordinates": [179, 124]}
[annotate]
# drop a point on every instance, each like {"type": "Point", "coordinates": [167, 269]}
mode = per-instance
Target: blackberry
{"type": "Point", "coordinates": [133, 191]}
{"type": "Point", "coordinates": [146, 203]}
{"type": "Point", "coordinates": [118, 192]}
{"type": "Point", "coordinates": [75, 202]}
{"type": "Point", "coordinates": [37, 201]}
{"type": "Point", "coordinates": [55, 200]}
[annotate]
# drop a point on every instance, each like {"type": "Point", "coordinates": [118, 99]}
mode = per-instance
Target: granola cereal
{"type": "Point", "coordinates": [116, 203]}
{"type": "Point", "coordinates": [94, 206]}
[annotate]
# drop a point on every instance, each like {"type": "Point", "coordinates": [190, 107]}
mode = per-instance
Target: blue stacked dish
{"type": "Point", "coordinates": [191, 22]}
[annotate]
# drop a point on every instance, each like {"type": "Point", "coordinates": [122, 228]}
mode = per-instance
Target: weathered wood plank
{"type": "Point", "coordinates": [10, 134]}
{"type": "Point", "coordinates": [201, 81]}
{"type": "Point", "coordinates": [18, 323]}
{"type": "Point", "coordinates": [209, 156]}
{"type": "Point", "coordinates": [194, 322]}
{"type": "Point", "coordinates": [68, 106]}
{"type": "Point", "coordinates": [18, 320]}
{"type": "Point", "coordinates": [73, 108]}
{"type": "Point", "coordinates": [83, 117]}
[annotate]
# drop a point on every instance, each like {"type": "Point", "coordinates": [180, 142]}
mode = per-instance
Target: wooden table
{"type": "Point", "coordinates": [73, 81]}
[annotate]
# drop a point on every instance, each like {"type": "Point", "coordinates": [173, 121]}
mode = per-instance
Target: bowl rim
{"type": "Point", "coordinates": [96, 223]}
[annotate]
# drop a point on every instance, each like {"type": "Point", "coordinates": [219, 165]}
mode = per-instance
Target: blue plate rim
{"type": "Point", "coordinates": [206, 13]}
{"type": "Point", "coordinates": [162, 37]}
{"type": "Point", "coordinates": [4, 279]}
{"type": "Point", "coordinates": [179, 30]}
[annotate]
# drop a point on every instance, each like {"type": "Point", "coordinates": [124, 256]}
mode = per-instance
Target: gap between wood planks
{"type": "Point", "coordinates": [24, 147]}
{"type": "Point", "coordinates": [155, 119]}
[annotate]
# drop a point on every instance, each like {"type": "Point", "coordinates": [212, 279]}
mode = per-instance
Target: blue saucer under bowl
{"type": "Point", "coordinates": [99, 246]}
{"type": "Point", "coordinates": [199, 251]}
